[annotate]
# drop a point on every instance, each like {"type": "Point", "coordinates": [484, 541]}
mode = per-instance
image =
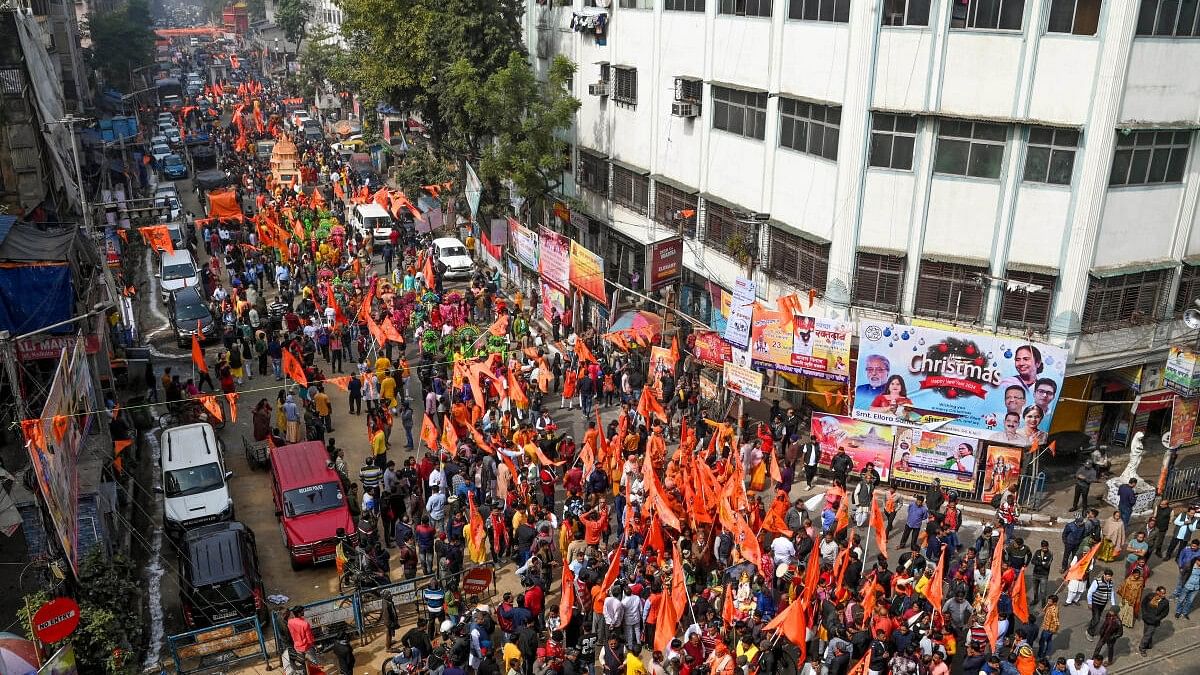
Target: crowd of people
{"type": "Point", "coordinates": [661, 541]}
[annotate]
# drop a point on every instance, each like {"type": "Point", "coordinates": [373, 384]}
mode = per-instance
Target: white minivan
{"type": "Point", "coordinates": [372, 220]}
{"type": "Point", "coordinates": [177, 270]}
{"type": "Point", "coordinates": [194, 480]}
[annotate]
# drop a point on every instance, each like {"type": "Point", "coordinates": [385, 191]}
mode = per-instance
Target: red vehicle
{"type": "Point", "coordinates": [309, 502]}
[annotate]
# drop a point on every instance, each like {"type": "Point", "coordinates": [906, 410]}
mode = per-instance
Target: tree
{"type": "Point", "coordinates": [320, 62]}
{"type": "Point", "coordinates": [110, 626]}
{"type": "Point", "coordinates": [121, 42]}
{"type": "Point", "coordinates": [527, 118]}
{"type": "Point", "coordinates": [292, 17]}
{"type": "Point", "coordinates": [418, 168]}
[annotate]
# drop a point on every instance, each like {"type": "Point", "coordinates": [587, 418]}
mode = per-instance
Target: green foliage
{"type": "Point", "coordinates": [320, 62]}
{"type": "Point", "coordinates": [110, 625]}
{"type": "Point", "coordinates": [292, 18]}
{"type": "Point", "coordinates": [527, 117]}
{"type": "Point", "coordinates": [420, 167]}
{"type": "Point", "coordinates": [121, 41]}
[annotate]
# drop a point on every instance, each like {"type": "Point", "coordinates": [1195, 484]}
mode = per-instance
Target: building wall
{"type": "Point", "coordinates": [1103, 86]}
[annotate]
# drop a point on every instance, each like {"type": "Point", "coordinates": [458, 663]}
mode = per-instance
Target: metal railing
{"type": "Point", "coordinates": [226, 644]}
{"type": "Point", "coordinates": [1183, 484]}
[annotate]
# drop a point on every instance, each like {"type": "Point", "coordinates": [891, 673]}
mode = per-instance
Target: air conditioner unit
{"type": "Point", "coordinates": [684, 109]}
{"type": "Point", "coordinates": [598, 89]}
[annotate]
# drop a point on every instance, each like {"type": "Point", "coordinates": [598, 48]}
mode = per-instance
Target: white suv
{"type": "Point", "coordinates": [194, 480]}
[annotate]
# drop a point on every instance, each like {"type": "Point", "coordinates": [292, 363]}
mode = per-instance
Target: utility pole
{"type": "Point", "coordinates": [755, 220]}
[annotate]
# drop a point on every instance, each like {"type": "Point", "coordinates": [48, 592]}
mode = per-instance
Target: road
{"type": "Point", "coordinates": [252, 498]}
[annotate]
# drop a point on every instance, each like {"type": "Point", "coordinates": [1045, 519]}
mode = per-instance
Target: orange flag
{"type": "Point", "coordinates": [614, 568]}
{"type": "Point", "coordinates": [1020, 597]}
{"type": "Point", "coordinates": [34, 433]}
{"type": "Point", "coordinates": [293, 369]}
{"type": "Point", "coordinates": [197, 352]}
{"type": "Point", "coordinates": [991, 625]}
{"type": "Point", "coordinates": [648, 405]}
{"type": "Point", "coordinates": [584, 352]}
{"type": "Point", "coordinates": [341, 382]}
{"type": "Point", "coordinates": [792, 623]}
{"type": "Point", "coordinates": [934, 592]}
{"type": "Point", "coordinates": [427, 271]}
{"type": "Point", "coordinates": [157, 237]}
{"type": "Point", "coordinates": [210, 404]}
{"type": "Point", "coordinates": [338, 317]}
{"type": "Point", "coordinates": [863, 666]}
{"type": "Point", "coordinates": [878, 527]}
{"type": "Point", "coordinates": [774, 522]}
{"type": "Point", "coordinates": [429, 433]}
{"type": "Point", "coordinates": [1078, 571]}
{"type": "Point", "coordinates": [812, 573]}
{"type": "Point", "coordinates": [842, 518]}
{"type": "Point", "coordinates": [566, 603]}
{"type": "Point", "coordinates": [516, 393]}
{"type": "Point", "coordinates": [232, 398]}
{"type": "Point", "coordinates": [450, 438]}
{"type": "Point", "coordinates": [668, 622]}
{"type": "Point", "coordinates": [773, 465]}
{"type": "Point", "coordinates": [727, 608]}
{"type": "Point", "coordinates": [679, 597]}
{"type": "Point", "coordinates": [499, 327]}
{"type": "Point", "coordinates": [478, 534]}
{"type": "Point", "coordinates": [119, 447]}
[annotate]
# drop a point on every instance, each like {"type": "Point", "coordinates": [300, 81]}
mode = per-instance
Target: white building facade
{"type": "Point", "coordinates": [1024, 167]}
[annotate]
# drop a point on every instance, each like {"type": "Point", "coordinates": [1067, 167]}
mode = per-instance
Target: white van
{"type": "Point", "coordinates": [372, 220]}
{"type": "Point", "coordinates": [194, 480]}
{"type": "Point", "coordinates": [177, 270]}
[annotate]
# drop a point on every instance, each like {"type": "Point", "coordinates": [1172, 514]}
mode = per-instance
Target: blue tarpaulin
{"type": "Point", "coordinates": [33, 295]}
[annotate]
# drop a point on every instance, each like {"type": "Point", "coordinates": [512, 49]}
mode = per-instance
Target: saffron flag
{"type": "Point", "coordinates": [232, 399]}
{"type": "Point", "coordinates": [792, 624]}
{"type": "Point", "coordinates": [293, 369]}
{"type": "Point", "coordinates": [499, 327]}
{"type": "Point", "coordinates": [478, 535]}
{"type": "Point", "coordinates": [429, 433]}
{"type": "Point", "coordinates": [1020, 597]}
{"type": "Point", "coordinates": [610, 576]}
{"type": "Point", "coordinates": [197, 352]}
{"type": "Point", "coordinates": [727, 609]}
{"type": "Point", "coordinates": [648, 405]}
{"type": "Point", "coordinates": [338, 317]}
{"type": "Point", "coordinates": [991, 624]}
{"type": "Point", "coordinates": [878, 527]}
{"type": "Point", "coordinates": [584, 352]}
{"type": "Point", "coordinates": [566, 603]}
{"type": "Point", "coordinates": [863, 666]}
{"type": "Point", "coordinates": [1078, 571]}
{"type": "Point", "coordinates": [450, 438]}
{"type": "Point", "coordinates": [157, 237]}
{"type": "Point", "coordinates": [210, 404]}
{"type": "Point", "coordinates": [934, 592]}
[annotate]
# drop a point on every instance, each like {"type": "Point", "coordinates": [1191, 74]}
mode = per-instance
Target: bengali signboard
{"type": "Point", "coordinates": [664, 263]}
{"type": "Point", "coordinates": [708, 347]}
{"type": "Point", "coordinates": [554, 258]}
{"type": "Point", "coordinates": [965, 383]}
{"type": "Point", "coordinates": [587, 272]}
{"type": "Point", "coordinates": [741, 313]}
{"type": "Point", "coordinates": [524, 243]}
{"type": "Point", "coordinates": [922, 456]}
{"type": "Point", "coordinates": [866, 443]}
{"type": "Point", "coordinates": [743, 381]}
{"type": "Point", "coordinates": [1183, 372]}
{"type": "Point", "coordinates": [807, 345]}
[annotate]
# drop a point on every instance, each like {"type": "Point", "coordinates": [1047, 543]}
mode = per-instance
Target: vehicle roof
{"type": "Point", "coordinates": [188, 445]}
{"type": "Point", "coordinates": [442, 242]}
{"type": "Point", "coordinates": [187, 295]}
{"type": "Point", "coordinates": [372, 210]}
{"type": "Point", "coordinates": [214, 553]}
{"type": "Point", "coordinates": [301, 464]}
{"type": "Point", "coordinates": [177, 257]}
{"type": "Point", "coordinates": [166, 186]}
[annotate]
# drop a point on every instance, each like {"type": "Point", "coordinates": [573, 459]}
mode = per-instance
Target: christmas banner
{"type": "Point", "coordinates": [958, 383]}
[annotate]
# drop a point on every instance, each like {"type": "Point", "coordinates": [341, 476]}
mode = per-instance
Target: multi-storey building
{"type": "Point", "coordinates": [1024, 166]}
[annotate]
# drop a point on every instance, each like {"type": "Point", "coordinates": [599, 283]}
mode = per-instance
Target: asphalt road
{"type": "Point", "coordinates": [1174, 651]}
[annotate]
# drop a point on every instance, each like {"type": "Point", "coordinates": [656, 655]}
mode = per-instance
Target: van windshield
{"type": "Point", "coordinates": [313, 498]}
{"type": "Point", "coordinates": [180, 271]}
{"type": "Point", "coordinates": [449, 251]}
{"type": "Point", "coordinates": [376, 222]}
{"type": "Point", "coordinates": [193, 480]}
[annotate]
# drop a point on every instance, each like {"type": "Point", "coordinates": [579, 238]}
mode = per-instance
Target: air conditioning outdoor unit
{"type": "Point", "coordinates": [685, 109]}
{"type": "Point", "coordinates": [598, 89]}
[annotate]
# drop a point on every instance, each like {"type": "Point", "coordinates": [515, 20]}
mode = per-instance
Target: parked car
{"type": "Point", "coordinates": [165, 117]}
{"type": "Point", "coordinates": [174, 167]}
{"type": "Point", "coordinates": [174, 138]}
{"type": "Point", "coordinates": [160, 151]}
{"type": "Point", "coordinates": [453, 254]}
{"type": "Point", "coordinates": [220, 578]}
{"type": "Point", "coordinates": [309, 502]}
{"type": "Point", "coordinates": [372, 220]}
{"type": "Point", "coordinates": [263, 149]}
{"type": "Point", "coordinates": [187, 308]}
{"type": "Point", "coordinates": [177, 270]}
{"type": "Point", "coordinates": [298, 118]}
{"type": "Point", "coordinates": [194, 480]}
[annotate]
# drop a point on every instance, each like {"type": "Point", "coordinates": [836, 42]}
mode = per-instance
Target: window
{"type": "Point", "coordinates": [1079, 17]}
{"type": "Point", "coordinates": [637, 4]}
{"type": "Point", "coordinates": [568, 151]}
{"type": "Point", "coordinates": [1050, 155]}
{"type": "Point", "coordinates": [1148, 157]}
{"type": "Point", "coordinates": [740, 112]}
{"type": "Point", "coordinates": [970, 148]}
{"type": "Point", "coordinates": [689, 90]}
{"type": "Point", "coordinates": [724, 231]}
{"type": "Point", "coordinates": [1127, 299]}
{"type": "Point", "coordinates": [1189, 288]}
{"type": "Point", "coordinates": [625, 85]}
{"type": "Point", "coordinates": [684, 5]}
{"type": "Point", "coordinates": [950, 291]}
{"type": "Point", "coordinates": [1021, 307]}
{"type": "Point", "coordinates": [631, 189]}
{"type": "Point", "coordinates": [745, 7]}
{"type": "Point", "coordinates": [892, 140]}
{"type": "Point", "coordinates": [906, 12]}
{"type": "Point", "coordinates": [878, 281]}
{"type": "Point", "coordinates": [593, 172]}
{"type": "Point", "coordinates": [797, 260]}
{"type": "Point", "coordinates": [675, 208]}
{"type": "Point", "coordinates": [988, 14]}
{"type": "Point", "coordinates": [811, 128]}
{"type": "Point", "coordinates": [837, 11]}
{"type": "Point", "coordinates": [1174, 18]}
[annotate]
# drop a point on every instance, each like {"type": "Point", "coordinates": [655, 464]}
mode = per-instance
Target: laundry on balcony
{"type": "Point", "coordinates": [592, 20]}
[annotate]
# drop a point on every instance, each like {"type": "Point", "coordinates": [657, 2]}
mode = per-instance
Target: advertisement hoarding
{"type": "Point", "coordinates": [1002, 471]}
{"type": "Point", "coordinates": [708, 347]}
{"type": "Point", "coordinates": [554, 258]}
{"type": "Point", "coordinates": [553, 300]}
{"type": "Point", "coordinates": [664, 263]}
{"type": "Point", "coordinates": [922, 456]}
{"type": "Point", "coordinates": [741, 311]}
{"type": "Point", "coordinates": [524, 244]}
{"type": "Point", "coordinates": [807, 345]}
{"type": "Point", "coordinates": [1183, 372]}
{"type": "Point", "coordinates": [743, 381]}
{"type": "Point", "coordinates": [1183, 420]}
{"type": "Point", "coordinates": [587, 272]}
{"type": "Point", "coordinates": [967, 384]}
{"type": "Point", "coordinates": [863, 441]}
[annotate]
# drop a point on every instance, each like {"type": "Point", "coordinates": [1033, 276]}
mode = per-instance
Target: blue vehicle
{"type": "Point", "coordinates": [174, 167]}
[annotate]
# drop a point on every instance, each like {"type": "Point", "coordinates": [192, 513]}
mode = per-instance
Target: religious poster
{"type": "Point", "coordinates": [863, 441]}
